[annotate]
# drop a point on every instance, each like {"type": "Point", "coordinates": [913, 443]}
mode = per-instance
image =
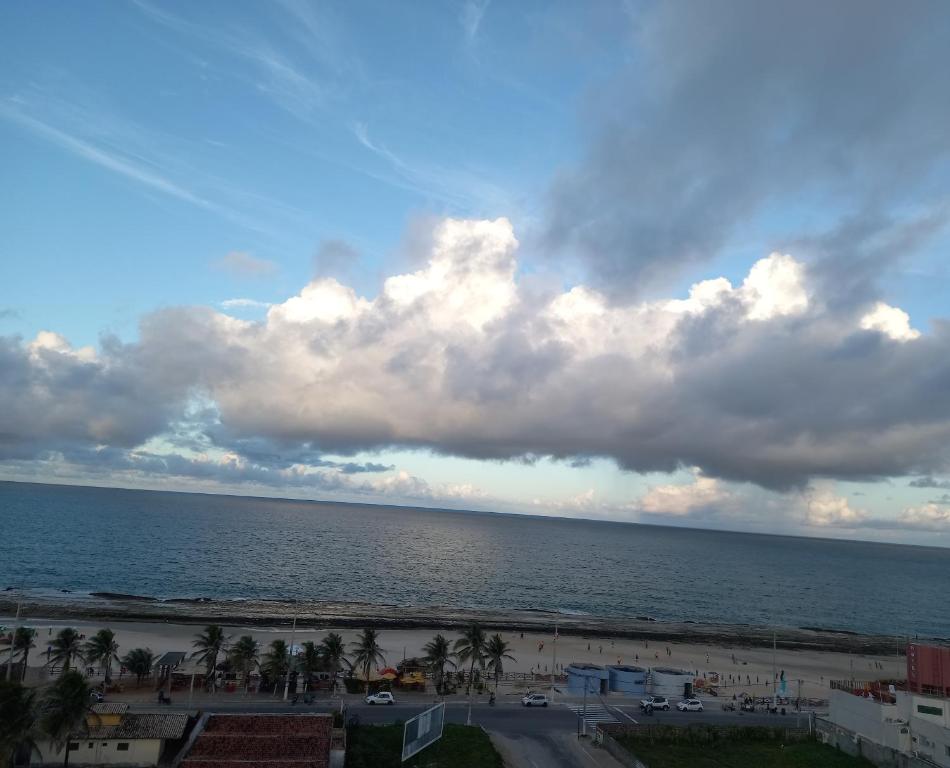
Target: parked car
{"type": "Point", "coordinates": [96, 697]}
{"type": "Point", "coordinates": [535, 700]}
{"type": "Point", "coordinates": [383, 697]}
{"type": "Point", "coordinates": [657, 702]}
{"type": "Point", "coordinates": [690, 705]}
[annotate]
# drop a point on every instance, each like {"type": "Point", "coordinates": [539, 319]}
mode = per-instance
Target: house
{"type": "Point", "coordinates": [306, 740]}
{"type": "Point", "coordinates": [117, 737]}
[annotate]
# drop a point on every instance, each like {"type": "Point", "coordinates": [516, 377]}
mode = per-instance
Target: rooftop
{"type": "Point", "coordinates": [145, 726]}
{"type": "Point", "coordinates": [275, 741]}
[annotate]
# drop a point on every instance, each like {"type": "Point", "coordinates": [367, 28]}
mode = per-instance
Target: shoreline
{"type": "Point", "coordinates": [318, 614]}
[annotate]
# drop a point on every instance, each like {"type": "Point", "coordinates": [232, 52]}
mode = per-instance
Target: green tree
{"type": "Point", "coordinates": [366, 652]}
{"type": "Point", "coordinates": [470, 647]}
{"type": "Point", "coordinates": [437, 655]}
{"type": "Point", "coordinates": [102, 649]}
{"type": "Point", "coordinates": [17, 720]}
{"type": "Point", "coordinates": [22, 643]}
{"type": "Point", "coordinates": [66, 707]}
{"type": "Point", "coordinates": [208, 645]}
{"type": "Point", "coordinates": [244, 656]}
{"type": "Point", "coordinates": [496, 651]}
{"type": "Point", "coordinates": [333, 652]}
{"type": "Point", "coordinates": [310, 661]}
{"type": "Point", "coordinates": [277, 661]}
{"type": "Point", "coordinates": [66, 648]}
{"type": "Point", "coordinates": [139, 662]}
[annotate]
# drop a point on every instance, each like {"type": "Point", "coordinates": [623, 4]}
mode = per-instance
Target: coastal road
{"type": "Point", "coordinates": [528, 737]}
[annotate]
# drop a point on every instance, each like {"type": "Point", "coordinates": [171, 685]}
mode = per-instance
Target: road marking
{"type": "Point", "coordinates": [589, 755]}
{"type": "Point", "coordinates": [620, 711]}
{"type": "Point", "coordinates": [594, 714]}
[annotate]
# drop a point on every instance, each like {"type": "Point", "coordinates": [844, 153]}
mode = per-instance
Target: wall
{"type": "Point", "coordinates": [141, 752]}
{"type": "Point", "coordinates": [871, 719]}
{"type": "Point", "coordinates": [853, 744]}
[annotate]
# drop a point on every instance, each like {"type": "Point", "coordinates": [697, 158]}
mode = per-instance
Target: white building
{"type": "Point", "coordinates": [913, 725]}
{"type": "Point", "coordinates": [119, 738]}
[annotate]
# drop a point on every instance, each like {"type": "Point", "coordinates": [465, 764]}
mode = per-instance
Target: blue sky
{"type": "Point", "coordinates": [167, 166]}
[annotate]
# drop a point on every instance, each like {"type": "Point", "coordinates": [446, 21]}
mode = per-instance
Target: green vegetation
{"type": "Point", "coordinates": [380, 746]}
{"type": "Point", "coordinates": [738, 754]}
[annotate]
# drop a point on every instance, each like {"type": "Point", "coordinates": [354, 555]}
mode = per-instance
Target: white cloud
{"type": "Point", "coordinates": [823, 508]}
{"type": "Point", "coordinates": [928, 517]}
{"type": "Point", "coordinates": [774, 287]}
{"type": "Point", "coordinates": [242, 303]}
{"type": "Point", "coordinates": [893, 322]}
{"type": "Point", "coordinates": [679, 500]}
{"type": "Point", "coordinates": [754, 383]}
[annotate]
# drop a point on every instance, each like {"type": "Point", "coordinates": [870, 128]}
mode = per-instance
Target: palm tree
{"type": "Point", "coordinates": [496, 651]}
{"type": "Point", "coordinates": [310, 661]}
{"type": "Point", "coordinates": [17, 720]}
{"type": "Point", "coordinates": [22, 642]}
{"type": "Point", "coordinates": [243, 655]}
{"type": "Point", "coordinates": [66, 647]}
{"type": "Point", "coordinates": [366, 651]}
{"type": "Point", "coordinates": [437, 656]}
{"type": "Point", "coordinates": [333, 652]}
{"type": "Point", "coordinates": [209, 644]}
{"type": "Point", "coordinates": [102, 649]}
{"type": "Point", "coordinates": [471, 647]}
{"type": "Point", "coordinates": [139, 662]}
{"type": "Point", "coordinates": [276, 661]}
{"type": "Point", "coordinates": [65, 707]}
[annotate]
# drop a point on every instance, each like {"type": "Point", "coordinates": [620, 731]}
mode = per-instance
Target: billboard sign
{"type": "Point", "coordinates": [422, 730]}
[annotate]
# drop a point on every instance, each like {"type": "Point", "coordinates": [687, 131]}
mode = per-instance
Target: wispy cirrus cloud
{"type": "Point", "coordinates": [459, 188]}
{"type": "Point", "coordinates": [110, 160]}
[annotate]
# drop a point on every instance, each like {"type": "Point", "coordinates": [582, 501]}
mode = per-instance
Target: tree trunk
{"type": "Point", "coordinates": [66, 750]}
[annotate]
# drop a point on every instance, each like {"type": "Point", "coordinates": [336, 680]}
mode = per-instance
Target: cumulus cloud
{"type": "Point", "coordinates": [928, 517]}
{"type": "Point", "coordinates": [891, 321]}
{"type": "Point", "coordinates": [759, 382]}
{"type": "Point", "coordinates": [715, 124]}
{"type": "Point", "coordinates": [824, 509]}
{"type": "Point", "coordinates": [704, 493]}
{"type": "Point", "coordinates": [243, 264]}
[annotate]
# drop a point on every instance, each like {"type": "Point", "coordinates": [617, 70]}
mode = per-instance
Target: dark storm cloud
{"type": "Point", "coordinates": [736, 109]}
{"type": "Point", "coordinates": [929, 482]}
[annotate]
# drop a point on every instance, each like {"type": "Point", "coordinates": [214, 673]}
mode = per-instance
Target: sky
{"type": "Point", "coordinates": [670, 263]}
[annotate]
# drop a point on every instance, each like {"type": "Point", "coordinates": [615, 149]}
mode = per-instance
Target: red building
{"type": "Point", "coordinates": [928, 669]}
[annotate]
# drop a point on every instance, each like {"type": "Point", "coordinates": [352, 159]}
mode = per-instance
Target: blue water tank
{"type": "Point", "coordinates": [627, 679]}
{"type": "Point", "coordinates": [593, 677]}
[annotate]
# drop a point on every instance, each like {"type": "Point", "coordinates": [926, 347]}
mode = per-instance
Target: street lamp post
{"type": "Point", "coordinates": [16, 626]}
{"type": "Point", "coordinates": [290, 653]}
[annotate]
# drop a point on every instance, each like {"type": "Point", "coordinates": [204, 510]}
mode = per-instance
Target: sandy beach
{"type": "Point", "coordinates": [743, 668]}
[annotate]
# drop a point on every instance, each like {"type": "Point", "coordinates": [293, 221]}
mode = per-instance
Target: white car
{"type": "Point", "coordinates": [690, 705]}
{"type": "Point", "coordinates": [655, 702]}
{"type": "Point", "coordinates": [535, 700]}
{"type": "Point", "coordinates": [383, 697]}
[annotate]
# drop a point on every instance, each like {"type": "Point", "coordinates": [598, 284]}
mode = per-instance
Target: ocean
{"type": "Point", "coordinates": [182, 545]}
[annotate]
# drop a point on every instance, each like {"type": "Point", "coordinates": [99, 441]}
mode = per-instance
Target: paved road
{"type": "Point", "coordinates": [527, 737]}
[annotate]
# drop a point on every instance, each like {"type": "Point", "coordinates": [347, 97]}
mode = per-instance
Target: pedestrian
{"type": "Point", "coordinates": [600, 649]}
{"type": "Point", "coordinates": [588, 646]}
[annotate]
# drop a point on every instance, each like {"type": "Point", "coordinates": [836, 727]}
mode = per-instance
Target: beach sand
{"type": "Point", "coordinates": [746, 665]}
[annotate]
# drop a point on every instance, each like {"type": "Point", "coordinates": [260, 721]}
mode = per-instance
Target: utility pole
{"type": "Point", "coordinates": [290, 653]}
{"type": "Point", "coordinates": [774, 679]}
{"type": "Point", "coordinates": [554, 660]}
{"type": "Point", "coordinates": [584, 718]}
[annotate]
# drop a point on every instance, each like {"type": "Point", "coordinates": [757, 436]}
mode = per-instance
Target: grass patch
{"type": "Point", "coordinates": [804, 754]}
{"type": "Point", "coordinates": [380, 746]}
